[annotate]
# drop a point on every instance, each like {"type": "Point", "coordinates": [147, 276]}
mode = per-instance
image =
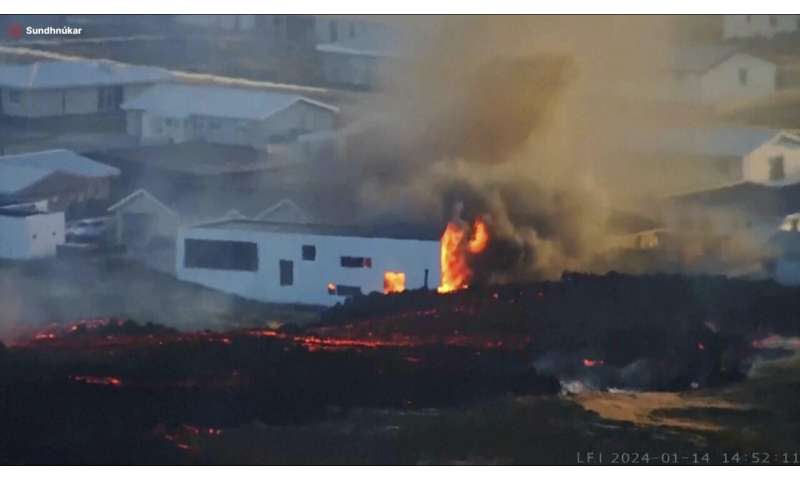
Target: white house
{"type": "Point", "coordinates": [306, 263]}
{"type": "Point", "coordinates": [230, 116]}
{"type": "Point", "coordinates": [355, 60]}
{"type": "Point", "coordinates": [748, 26]}
{"type": "Point", "coordinates": [776, 162]}
{"type": "Point", "coordinates": [716, 74]}
{"type": "Point", "coordinates": [27, 232]}
{"type": "Point", "coordinates": [58, 88]}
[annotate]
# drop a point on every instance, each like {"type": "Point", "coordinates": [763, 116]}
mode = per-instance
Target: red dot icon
{"type": "Point", "coordinates": [15, 30]}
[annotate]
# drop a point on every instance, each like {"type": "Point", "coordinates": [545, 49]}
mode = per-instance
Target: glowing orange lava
{"type": "Point", "coordinates": [456, 273]}
{"type": "Point", "coordinates": [394, 282]}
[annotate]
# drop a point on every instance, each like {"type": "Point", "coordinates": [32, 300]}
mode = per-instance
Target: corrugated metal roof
{"type": "Point", "coordinates": [25, 169]}
{"type": "Point", "coordinates": [62, 74]}
{"type": "Point", "coordinates": [181, 101]}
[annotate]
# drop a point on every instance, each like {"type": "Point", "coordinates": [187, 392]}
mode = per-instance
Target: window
{"type": "Point", "coordinates": [356, 262]}
{"type": "Point", "coordinates": [776, 169]}
{"type": "Point", "coordinates": [748, 18]}
{"type": "Point", "coordinates": [773, 21]}
{"type": "Point", "coordinates": [169, 122]}
{"type": "Point", "coordinates": [14, 96]}
{"type": "Point", "coordinates": [334, 31]}
{"type": "Point", "coordinates": [352, 29]}
{"type": "Point", "coordinates": [347, 291]}
{"type": "Point", "coordinates": [394, 282]}
{"type": "Point", "coordinates": [742, 76]}
{"type": "Point", "coordinates": [287, 272]}
{"type": "Point", "coordinates": [214, 125]}
{"type": "Point", "coordinates": [220, 255]}
{"type": "Point", "coordinates": [309, 252]}
{"type": "Point", "coordinates": [276, 20]}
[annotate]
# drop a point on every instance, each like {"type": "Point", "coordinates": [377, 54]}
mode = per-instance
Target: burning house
{"type": "Point", "coordinates": [309, 263]}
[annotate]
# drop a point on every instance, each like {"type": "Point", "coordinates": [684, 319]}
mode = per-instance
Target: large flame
{"type": "Point", "coordinates": [456, 273]}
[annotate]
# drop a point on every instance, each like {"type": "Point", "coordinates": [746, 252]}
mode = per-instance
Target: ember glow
{"type": "Point", "coordinates": [455, 249]}
{"type": "Point", "coordinates": [394, 282]}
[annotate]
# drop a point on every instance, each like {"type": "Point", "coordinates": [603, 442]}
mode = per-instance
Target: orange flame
{"type": "Point", "coordinates": [394, 282]}
{"type": "Point", "coordinates": [456, 273]}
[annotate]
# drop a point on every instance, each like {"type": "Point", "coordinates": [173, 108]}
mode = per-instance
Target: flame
{"type": "Point", "coordinates": [588, 362]}
{"type": "Point", "coordinates": [394, 282]}
{"type": "Point", "coordinates": [456, 272]}
{"type": "Point", "coordinates": [480, 237]}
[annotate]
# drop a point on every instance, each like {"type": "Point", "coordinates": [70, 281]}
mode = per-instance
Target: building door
{"type": "Point", "coordinates": [286, 273]}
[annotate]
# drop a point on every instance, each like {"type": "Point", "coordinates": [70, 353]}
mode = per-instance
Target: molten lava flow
{"type": "Point", "coordinates": [394, 282]}
{"type": "Point", "coordinates": [456, 272]}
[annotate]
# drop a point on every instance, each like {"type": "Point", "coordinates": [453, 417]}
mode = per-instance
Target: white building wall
{"type": "Point", "coordinates": [311, 278]}
{"type": "Point", "coordinates": [33, 236]}
{"type": "Point", "coordinates": [756, 165]}
{"type": "Point", "coordinates": [80, 101]}
{"type": "Point", "coordinates": [724, 81]}
{"type": "Point", "coordinates": [746, 26]}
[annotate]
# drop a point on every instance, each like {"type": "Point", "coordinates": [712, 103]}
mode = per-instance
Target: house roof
{"type": "Point", "coordinates": [700, 58]}
{"type": "Point", "coordinates": [64, 161]}
{"type": "Point", "coordinates": [15, 178]}
{"type": "Point", "coordinates": [711, 141]}
{"type": "Point", "coordinates": [397, 231]}
{"type": "Point", "coordinates": [749, 198]}
{"type": "Point", "coordinates": [284, 211]}
{"type": "Point", "coordinates": [141, 194]}
{"type": "Point", "coordinates": [21, 171]}
{"type": "Point", "coordinates": [60, 74]}
{"type": "Point", "coordinates": [375, 42]}
{"type": "Point", "coordinates": [181, 101]}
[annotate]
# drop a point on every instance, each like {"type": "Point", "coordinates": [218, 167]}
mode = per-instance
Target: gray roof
{"type": "Point", "coordinates": [61, 74]}
{"type": "Point", "coordinates": [389, 231]}
{"type": "Point", "coordinates": [700, 58]}
{"type": "Point", "coordinates": [181, 101]}
{"type": "Point", "coordinates": [23, 170]}
{"type": "Point", "coordinates": [712, 141]}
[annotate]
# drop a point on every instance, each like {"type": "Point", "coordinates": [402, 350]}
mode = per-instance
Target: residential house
{"type": "Point", "coordinates": [355, 61]}
{"type": "Point", "coordinates": [229, 116]}
{"type": "Point", "coordinates": [64, 88]}
{"type": "Point", "coordinates": [750, 26]}
{"type": "Point", "coordinates": [711, 75]}
{"type": "Point", "coordinates": [307, 263]}
{"type": "Point", "coordinates": [63, 178]}
{"type": "Point", "coordinates": [776, 162]}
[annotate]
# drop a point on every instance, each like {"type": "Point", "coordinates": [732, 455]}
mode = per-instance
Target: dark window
{"type": "Point", "coordinates": [14, 96]}
{"type": "Point", "coordinates": [347, 291]}
{"type": "Point", "coordinates": [747, 18]}
{"type": "Point", "coordinates": [773, 21]}
{"type": "Point", "coordinates": [276, 20]}
{"type": "Point", "coordinates": [776, 170]}
{"type": "Point", "coordinates": [309, 252]}
{"type": "Point", "coordinates": [743, 76]}
{"type": "Point", "coordinates": [220, 255]}
{"type": "Point", "coordinates": [287, 272]}
{"type": "Point", "coordinates": [352, 29]}
{"type": "Point", "coordinates": [356, 262]}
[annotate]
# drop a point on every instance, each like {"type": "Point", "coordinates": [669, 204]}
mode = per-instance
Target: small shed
{"type": "Point", "coordinates": [776, 162]}
{"type": "Point", "coordinates": [26, 232]}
